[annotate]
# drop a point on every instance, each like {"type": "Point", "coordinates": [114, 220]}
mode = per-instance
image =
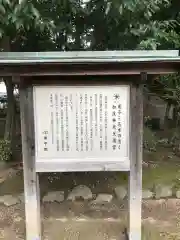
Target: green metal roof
{"type": "Point", "coordinates": [88, 57]}
{"type": "Point", "coordinates": [88, 63]}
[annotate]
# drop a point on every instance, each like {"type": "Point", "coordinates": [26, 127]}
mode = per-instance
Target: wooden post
{"type": "Point", "coordinates": [31, 183]}
{"type": "Point", "coordinates": [135, 178]}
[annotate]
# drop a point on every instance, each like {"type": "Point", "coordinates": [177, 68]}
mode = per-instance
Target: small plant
{"type": "Point", "coordinates": [5, 150]}
{"type": "Point", "coordinates": [150, 140]}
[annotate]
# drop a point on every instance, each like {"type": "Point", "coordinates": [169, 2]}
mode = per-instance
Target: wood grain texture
{"type": "Point", "coordinates": [64, 166]}
{"type": "Point", "coordinates": [31, 182]}
{"type": "Point", "coordinates": [135, 178]}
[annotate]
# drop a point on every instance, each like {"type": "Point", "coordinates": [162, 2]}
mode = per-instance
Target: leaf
{"type": "Point", "coordinates": [19, 24]}
{"type": "Point", "coordinates": [2, 9]}
{"type": "Point", "coordinates": [41, 27]}
{"type": "Point", "coordinates": [51, 24]}
{"type": "Point", "coordinates": [135, 32]}
{"type": "Point", "coordinates": [17, 9]}
{"type": "Point", "coordinates": [130, 5]}
{"type": "Point", "coordinates": [1, 33]}
{"type": "Point", "coordinates": [6, 2]}
{"type": "Point", "coordinates": [149, 14]}
{"type": "Point", "coordinates": [14, 18]}
{"type": "Point", "coordinates": [22, 1]}
{"type": "Point", "coordinates": [121, 9]}
{"type": "Point", "coordinates": [108, 7]}
{"type": "Point", "coordinates": [35, 12]}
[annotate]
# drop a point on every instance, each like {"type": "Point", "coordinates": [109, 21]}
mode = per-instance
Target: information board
{"type": "Point", "coordinates": [81, 123]}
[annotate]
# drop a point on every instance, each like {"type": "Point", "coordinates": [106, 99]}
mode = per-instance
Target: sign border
{"type": "Point", "coordinates": [75, 164]}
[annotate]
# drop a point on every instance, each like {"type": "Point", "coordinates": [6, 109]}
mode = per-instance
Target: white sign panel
{"type": "Point", "coordinates": [83, 123]}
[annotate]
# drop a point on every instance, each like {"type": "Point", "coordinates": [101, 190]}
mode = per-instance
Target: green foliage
{"type": "Point", "coordinates": [5, 150]}
{"type": "Point", "coordinates": [171, 88]}
{"type": "Point", "coordinates": [93, 24]}
{"type": "Point", "coordinates": [170, 91]}
{"type": "Point", "coordinates": [149, 140]}
{"type": "Point", "coordinates": [68, 25]}
{"type": "Point", "coordinates": [131, 24]}
{"type": "Point", "coordinates": [18, 18]}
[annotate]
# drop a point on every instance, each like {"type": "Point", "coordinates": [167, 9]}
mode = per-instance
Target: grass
{"type": "Point", "coordinates": [150, 233]}
{"type": "Point", "coordinates": [163, 169]}
{"type": "Point", "coordinates": [163, 173]}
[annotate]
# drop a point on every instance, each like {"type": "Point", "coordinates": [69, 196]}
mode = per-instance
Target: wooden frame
{"type": "Point", "coordinates": [56, 166]}
{"type": "Point", "coordinates": [36, 68]}
{"type": "Point", "coordinates": [31, 180]}
{"type": "Point", "coordinates": [31, 169]}
{"type": "Point", "coordinates": [135, 173]}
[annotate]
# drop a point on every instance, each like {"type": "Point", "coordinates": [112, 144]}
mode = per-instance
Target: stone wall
{"type": "Point", "coordinates": [155, 108]}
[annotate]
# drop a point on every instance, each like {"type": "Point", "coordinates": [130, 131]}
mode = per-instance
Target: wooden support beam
{"type": "Point", "coordinates": [135, 178]}
{"type": "Point", "coordinates": [31, 183]}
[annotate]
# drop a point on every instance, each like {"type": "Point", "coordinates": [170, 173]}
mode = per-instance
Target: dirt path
{"type": "Point", "coordinates": [80, 220]}
{"type": "Point", "coordinates": [164, 215]}
{"type": "Point", "coordinates": [161, 220]}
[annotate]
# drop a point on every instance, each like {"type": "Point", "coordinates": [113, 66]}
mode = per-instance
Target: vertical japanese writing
{"type": "Point", "coordinates": [96, 114]}
{"type": "Point", "coordinates": [100, 122]}
{"type": "Point", "coordinates": [67, 123]}
{"type": "Point", "coordinates": [106, 122]}
{"type": "Point", "coordinates": [82, 123]}
{"type": "Point", "coordinates": [52, 117]}
{"type": "Point", "coordinates": [114, 126]}
{"type": "Point", "coordinates": [45, 138]}
{"type": "Point", "coordinates": [119, 126]}
{"type": "Point", "coordinates": [71, 102]}
{"type": "Point", "coordinates": [86, 122]}
{"type": "Point", "coordinates": [62, 121]}
{"type": "Point", "coordinates": [116, 119]}
{"type": "Point", "coordinates": [57, 121]}
{"type": "Point", "coordinates": [77, 123]}
{"type": "Point", "coordinates": [91, 122]}
{"type": "Point", "coordinates": [82, 127]}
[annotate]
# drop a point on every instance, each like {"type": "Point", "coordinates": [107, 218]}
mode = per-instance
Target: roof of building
{"type": "Point", "coordinates": [88, 62]}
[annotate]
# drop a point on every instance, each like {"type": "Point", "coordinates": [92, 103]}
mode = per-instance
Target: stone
{"type": "Point", "coordinates": [21, 198]}
{"type": "Point", "coordinates": [121, 192]}
{"type": "Point", "coordinates": [2, 179]}
{"type": "Point", "coordinates": [103, 198]}
{"type": "Point", "coordinates": [57, 196]}
{"type": "Point", "coordinates": [163, 141]}
{"type": "Point", "coordinates": [3, 165]}
{"type": "Point", "coordinates": [163, 191]}
{"type": "Point", "coordinates": [178, 194]}
{"type": "Point", "coordinates": [147, 194]}
{"type": "Point", "coordinates": [9, 200]}
{"type": "Point", "coordinates": [80, 191]}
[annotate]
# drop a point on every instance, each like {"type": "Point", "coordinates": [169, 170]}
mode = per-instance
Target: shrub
{"type": "Point", "coordinates": [149, 139]}
{"type": "Point", "coordinates": [5, 150]}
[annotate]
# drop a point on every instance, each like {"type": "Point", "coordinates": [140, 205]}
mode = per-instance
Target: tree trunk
{"type": "Point", "coordinates": [10, 115]}
{"type": "Point", "coordinates": [79, 22]}
{"type": "Point", "coordinates": [168, 107]}
{"type": "Point", "coordinates": [166, 117]}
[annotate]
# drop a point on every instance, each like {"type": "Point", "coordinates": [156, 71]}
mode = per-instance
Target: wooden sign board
{"type": "Point", "coordinates": [82, 124]}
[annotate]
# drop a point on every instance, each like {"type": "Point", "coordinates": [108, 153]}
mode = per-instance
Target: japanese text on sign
{"type": "Point", "coordinates": [81, 122]}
